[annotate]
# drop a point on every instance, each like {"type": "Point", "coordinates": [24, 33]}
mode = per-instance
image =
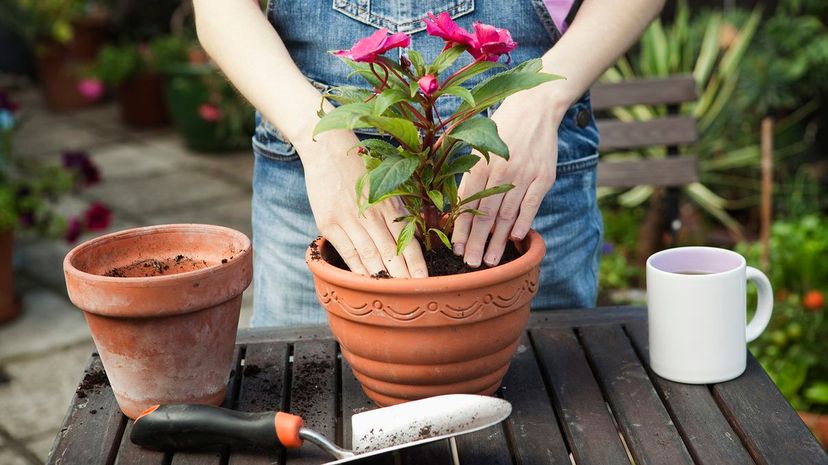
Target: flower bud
{"type": "Point", "coordinates": [428, 84]}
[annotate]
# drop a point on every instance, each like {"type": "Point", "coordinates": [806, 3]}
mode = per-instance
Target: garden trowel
{"type": "Point", "coordinates": [194, 426]}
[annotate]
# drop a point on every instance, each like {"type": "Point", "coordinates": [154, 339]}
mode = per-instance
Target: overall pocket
{"type": "Point", "coordinates": [268, 142]}
{"type": "Point", "coordinates": [400, 16]}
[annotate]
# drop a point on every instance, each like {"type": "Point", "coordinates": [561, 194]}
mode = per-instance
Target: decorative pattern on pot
{"type": "Point", "coordinates": [411, 338]}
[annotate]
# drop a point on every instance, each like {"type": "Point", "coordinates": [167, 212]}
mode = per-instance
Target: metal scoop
{"type": "Point", "coordinates": [193, 426]}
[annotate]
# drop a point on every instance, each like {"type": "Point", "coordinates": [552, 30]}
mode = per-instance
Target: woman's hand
{"type": "Point", "coordinates": [528, 123]}
{"type": "Point", "coordinates": [368, 243]}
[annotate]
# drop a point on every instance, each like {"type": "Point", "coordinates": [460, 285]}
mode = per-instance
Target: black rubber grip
{"type": "Point", "coordinates": [194, 426]}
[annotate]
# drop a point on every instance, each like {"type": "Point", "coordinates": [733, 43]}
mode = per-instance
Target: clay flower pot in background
{"type": "Point", "coordinates": [142, 102]}
{"type": "Point", "coordinates": [818, 424]}
{"type": "Point", "coordinates": [168, 337]}
{"type": "Point", "coordinates": [9, 303]}
{"type": "Point", "coordinates": [407, 339]}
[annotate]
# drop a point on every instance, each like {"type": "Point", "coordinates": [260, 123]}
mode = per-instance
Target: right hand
{"type": "Point", "coordinates": [367, 244]}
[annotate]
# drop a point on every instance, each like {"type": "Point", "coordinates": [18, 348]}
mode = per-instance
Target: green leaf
{"type": "Point", "coordinates": [413, 87]}
{"type": "Point", "coordinates": [350, 116]}
{"type": "Point", "coordinates": [348, 94]}
{"type": "Point", "coordinates": [402, 129]}
{"type": "Point", "coordinates": [500, 86]}
{"type": "Point", "coordinates": [386, 177]}
{"type": "Point", "coordinates": [387, 98]}
{"type": "Point", "coordinates": [406, 235]}
{"type": "Point", "coordinates": [459, 91]}
{"type": "Point", "coordinates": [363, 69]}
{"type": "Point", "coordinates": [449, 189]}
{"type": "Point", "coordinates": [486, 193]}
{"type": "Point", "coordinates": [379, 148]}
{"type": "Point", "coordinates": [442, 236]}
{"type": "Point", "coordinates": [437, 198]}
{"type": "Point", "coordinates": [417, 61]}
{"type": "Point", "coordinates": [817, 393]}
{"type": "Point", "coordinates": [461, 164]}
{"type": "Point", "coordinates": [473, 71]}
{"type": "Point", "coordinates": [481, 133]}
{"type": "Point", "coordinates": [445, 59]}
{"type": "Point", "coordinates": [427, 175]}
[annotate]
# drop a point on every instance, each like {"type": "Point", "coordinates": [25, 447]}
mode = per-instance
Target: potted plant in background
{"type": "Point", "coordinates": [413, 338]}
{"type": "Point", "coordinates": [205, 108]}
{"type": "Point", "coordinates": [134, 69]}
{"type": "Point", "coordinates": [793, 348]}
{"type": "Point", "coordinates": [29, 193]}
{"type": "Point", "coordinates": [66, 35]}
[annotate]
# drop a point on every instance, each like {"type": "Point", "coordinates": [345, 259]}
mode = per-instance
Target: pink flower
{"type": "Point", "coordinates": [209, 112]}
{"type": "Point", "coordinates": [367, 49]}
{"type": "Point", "coordinates": [73, 230]}
{"type": "Point", "coordinates": [91, 89]}
{"type": "Point", "coordinates": [492, 41]}
{"type": "Point", "coordinates": [444, 27]}
{"type": "Point", "coordinates": [428, 84]}
{"type": "Point", "coordinates": [97, 217]}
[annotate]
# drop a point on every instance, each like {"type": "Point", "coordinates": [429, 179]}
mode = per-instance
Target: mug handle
{"type": "Point", "coordinates": [764, 306]}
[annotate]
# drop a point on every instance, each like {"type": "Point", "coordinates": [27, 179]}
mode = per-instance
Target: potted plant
{"type": "Point", "coordinates": [28, 194]}
{"type": "Point", "coordinates": [134, 70]}
{"type": "Point", "coordinates": [793, 348]}
{"type": "Point", "coordinates": [412, 338]}
{"type": "Point", "coordinates": [66, 35]}
{"type": "Point", "coordinates": [206, 109]}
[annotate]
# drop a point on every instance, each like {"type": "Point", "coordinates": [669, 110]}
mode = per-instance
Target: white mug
{"type": "Point", "coordinates": [696, 301]}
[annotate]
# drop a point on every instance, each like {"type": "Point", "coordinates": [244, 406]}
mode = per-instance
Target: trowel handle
{"type": "Point", "coordinates": [191, 426]}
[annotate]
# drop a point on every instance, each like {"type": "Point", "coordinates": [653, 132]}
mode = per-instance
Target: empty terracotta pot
{"type": "Point", "coordinates": [406, 339]}
{"type": "Point", "coordinates": [168, 337]}
{"type": "Point", "coordinates": [9, 302]}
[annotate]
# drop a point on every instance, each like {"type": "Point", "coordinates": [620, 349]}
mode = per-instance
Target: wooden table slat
{"type": "Point", "coordinates": [532, 426]}
{"type": "Point", "coordinates": [648, 429]}
{"type": "Point", "coordinates": [355, 401]}
{"type": "Point", "coordinates": [704, 429]}
{"type": "Point", "coordinates": [589, 428]}
{"type": "Point", "coordinates": [585, 317]}
{"type": "Point", "coordinates": [313, 396]}
{"type": "Point", "coordinates": [263, 387]}
{"type": "Point", "coordinates": [131, 454]}
{"type": "Point", "coordinates": [215, 457]}
{"type": "Point", "coordinates": [86, 437]}
{"type": "Point", "coordinates": [768, 426]}
{"type": "Point", "coordinates": [485, 447]}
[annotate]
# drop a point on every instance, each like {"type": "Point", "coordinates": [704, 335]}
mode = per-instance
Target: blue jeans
{"type": "Point", "coordinates": [283, 224]}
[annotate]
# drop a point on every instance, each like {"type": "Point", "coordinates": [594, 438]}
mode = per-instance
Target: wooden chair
{"type": "Point", "coordinates": [671, 172]}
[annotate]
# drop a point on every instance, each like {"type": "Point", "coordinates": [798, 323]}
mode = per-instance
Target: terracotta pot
{"type": "Point", "coordinates": [142, 101]}
{"type": "Point", "coordinates": [406, 339]}
{"type": "Point", "coordinates": [167, 338]}
{"type": "Point", "coordinates": [9, 303]}
{"type": "Point", "coordinates": [58, 64]}
{"type": "Point", "coordinates": [818, 424]}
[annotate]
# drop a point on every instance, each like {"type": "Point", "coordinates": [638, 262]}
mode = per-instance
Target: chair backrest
{"type": "Point", "coordinates": [670, 132]}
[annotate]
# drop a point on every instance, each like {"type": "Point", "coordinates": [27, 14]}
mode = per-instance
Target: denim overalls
{"type": "Point", "coordinates": [283, 224]}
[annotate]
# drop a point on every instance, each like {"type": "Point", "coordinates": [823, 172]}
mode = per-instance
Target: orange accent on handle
{"type": "Point", "coordinates": [147, 411]}
{"type": "Point", "coordinates": [287, 429]}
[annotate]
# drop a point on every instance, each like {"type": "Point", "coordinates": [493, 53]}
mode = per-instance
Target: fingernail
{"type": "Point", "coordinates": [473, 265]}
{"type": "Point", "coordinates": [490, 261]}
{"type": "Point", "coordinates": [459, 249]}
{"type": "Point", "coordinates": [518, 234]}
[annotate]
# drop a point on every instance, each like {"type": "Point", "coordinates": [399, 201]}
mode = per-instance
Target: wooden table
{"type": "Point", "coordinates": [579, 385]}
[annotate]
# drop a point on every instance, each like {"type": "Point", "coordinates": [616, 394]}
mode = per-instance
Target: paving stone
{"type": "Point", "coordinates": [34, 402]}
{"type": "Point", "coordinates": [42, 445]}
{"type": "Point", "coordinates": [176, 191]}
{"type": "Point", "coordinates": [48, 139]}
{"type": "Point", "coordinates": [232, 213]}
{"type": "Point", "coordinates": [237, 165]}
{"type": "Point", "coordinates": [131, 160]}
{"type": "Point", "coordinates": [48, 322]}
{"type": "Point", "coordinates": [8, 457]}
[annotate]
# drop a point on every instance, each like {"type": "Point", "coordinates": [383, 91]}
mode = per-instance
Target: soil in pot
{"type": "Point", "coordinates": [440, 261]}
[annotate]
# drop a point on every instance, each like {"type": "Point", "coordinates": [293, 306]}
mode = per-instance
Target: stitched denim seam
{"type": "Point", "coordinates": [546, 20]}
{"type": "Point", "coordinates": [577, 165]}
{"type": "Point", "coordinates": [366, 16]}
{"type": "Point", "coordinates": [267, 152]}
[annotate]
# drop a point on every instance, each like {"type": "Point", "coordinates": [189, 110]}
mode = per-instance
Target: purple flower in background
{"type": "Point", "coordinates": [80, 162]}
{"type": "Point", "coordinates": [26, 219]}
{"type": "Point", "coordinates": [607, 248]}
{"type": "Point", "coordinates": [73, 230]}
{"type": "Point", "coordinates": [91, 89]}
{"type": "Point", "coordinates": [97, 217]}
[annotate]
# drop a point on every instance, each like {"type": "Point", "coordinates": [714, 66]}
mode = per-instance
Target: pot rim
{"type": "Point", "coordinates": [141, 281]}
{"type": "Point", "coordinates": [535, 250]}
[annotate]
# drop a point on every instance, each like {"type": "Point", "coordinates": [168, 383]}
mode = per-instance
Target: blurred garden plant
{"type": "Point", "coordinates": [29, 191]}
{"type": "Point", "coordinates": [793, 348]}
{"type": "Point", "coordinates": [117, 63]}
{"type": "Point", "coordinates": [49, 19]}
{"type": "Point", "coordinates": [429, 149]}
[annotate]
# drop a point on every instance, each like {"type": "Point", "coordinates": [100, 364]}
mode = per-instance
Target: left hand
{"type": "Point", "coordinates": [528, 123]}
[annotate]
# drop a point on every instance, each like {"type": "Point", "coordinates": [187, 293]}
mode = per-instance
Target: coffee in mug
{"type": "Point", "coordinates": [696, 304]}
